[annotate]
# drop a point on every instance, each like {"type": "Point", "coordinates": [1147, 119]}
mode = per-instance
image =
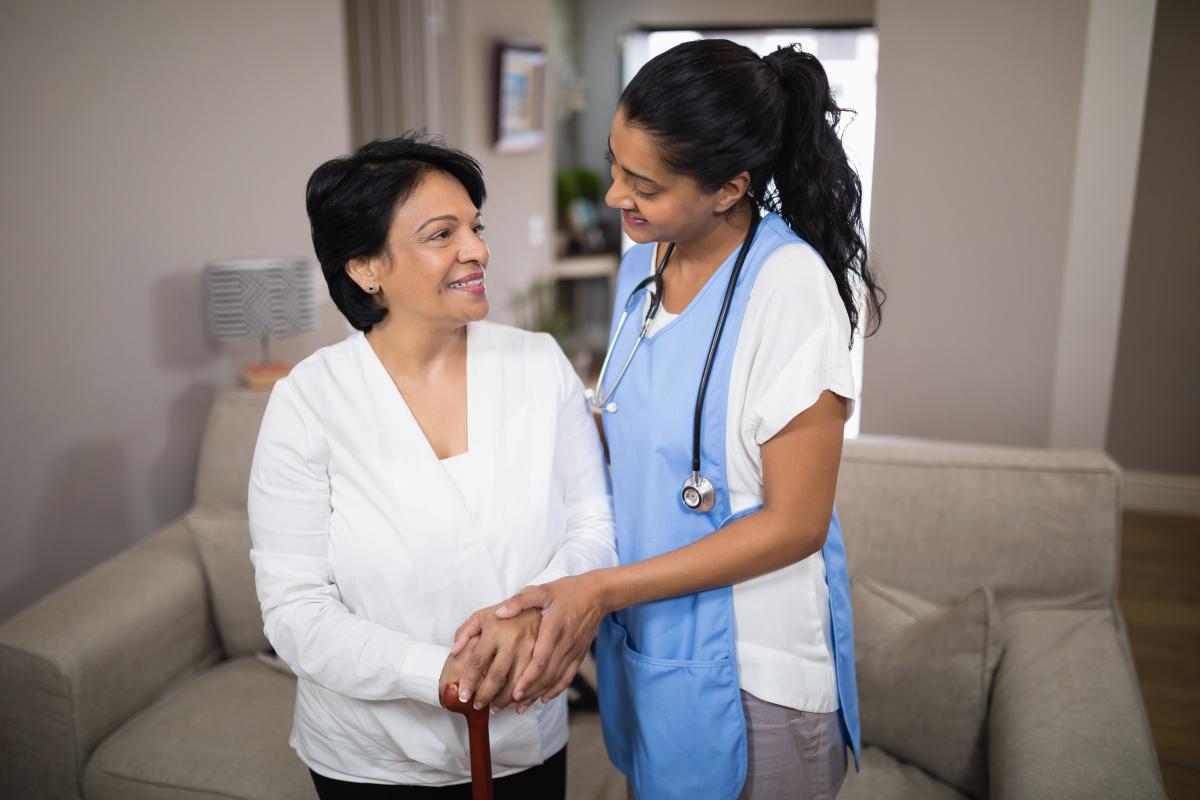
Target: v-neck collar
{"type": "Point", "coordinates": [410, 430]}
{"type": "Point", "coordinates": [722, 270]}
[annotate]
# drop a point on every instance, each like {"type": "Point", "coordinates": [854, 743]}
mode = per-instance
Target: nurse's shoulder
{"type": "Point", "coordinates": [795, 283]}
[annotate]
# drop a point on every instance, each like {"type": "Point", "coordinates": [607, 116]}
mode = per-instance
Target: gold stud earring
{"type": "Point", "coordinates": [372, 288]}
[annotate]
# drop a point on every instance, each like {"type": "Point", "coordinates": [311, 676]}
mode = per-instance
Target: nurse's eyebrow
{"type": "Point", "coordinates": [628, 171]}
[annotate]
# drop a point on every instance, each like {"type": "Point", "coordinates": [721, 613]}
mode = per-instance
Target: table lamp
{"type": "Point", "coordinates": [257, 298]}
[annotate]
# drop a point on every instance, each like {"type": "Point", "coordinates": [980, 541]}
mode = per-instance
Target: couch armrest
{"type": "Point", "coordinates": [1067, 719]}
{"type": "Point", "coordinates": [84, 659]}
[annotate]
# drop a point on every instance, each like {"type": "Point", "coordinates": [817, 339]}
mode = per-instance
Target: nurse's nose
{"type": "Point", "coordinates": [615, 197]}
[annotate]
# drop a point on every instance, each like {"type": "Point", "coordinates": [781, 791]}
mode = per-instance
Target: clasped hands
{"type": "Point", "coordinates": [527, 648]}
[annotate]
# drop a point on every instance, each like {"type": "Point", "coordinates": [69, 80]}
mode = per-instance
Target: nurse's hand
{"type": "Point", "coordinates": [572, 609]}
{"type": "Point", "coordinates": [502, 652]}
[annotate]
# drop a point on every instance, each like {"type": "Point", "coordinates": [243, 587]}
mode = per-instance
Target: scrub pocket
{"type": "Point", "coordinates": [674, 727]}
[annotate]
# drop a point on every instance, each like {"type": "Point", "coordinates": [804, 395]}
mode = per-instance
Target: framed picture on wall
{"type": "Point", "coordinates": [520, 97]}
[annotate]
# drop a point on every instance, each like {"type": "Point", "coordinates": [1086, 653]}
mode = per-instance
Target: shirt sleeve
{"type": "Point", "coordinates": [303, 616]}
{"type": "Point", "coordinates": [801, 340]}
{"type": "Point", "coordinates": [581, 472]}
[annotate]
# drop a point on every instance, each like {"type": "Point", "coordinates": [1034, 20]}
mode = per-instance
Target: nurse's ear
{"type": "Point", "coordinates": [730, 193]}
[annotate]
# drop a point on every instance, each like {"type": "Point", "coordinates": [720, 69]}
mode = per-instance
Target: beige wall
{"type": "Point", "coordinates": [975, 146]}
{"type": "Point", "coordinates": [139, 140]}
{"type": "Point", "coordinates": [1155, 420]}
{"type": "Point", "coordinates": [519, 213]}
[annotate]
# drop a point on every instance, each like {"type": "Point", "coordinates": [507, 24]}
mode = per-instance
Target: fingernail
{"type": "Point", "coordinates": [464, 696]}
{"type": "Point", "coordinates": [518, 694]}
{"type": "Point", "coordinates": [478, 705]}
{"type": "Point", "coordinates": [494, 711]}
{"type": "Point", "coordinates": [502, 610]}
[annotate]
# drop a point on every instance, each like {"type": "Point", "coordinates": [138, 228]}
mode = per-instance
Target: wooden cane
{"type": "Point", "coordinates": [480, 744]}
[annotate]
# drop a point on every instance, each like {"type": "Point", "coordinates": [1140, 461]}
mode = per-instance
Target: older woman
{"type": "Point", "coordinates": [429, 464]}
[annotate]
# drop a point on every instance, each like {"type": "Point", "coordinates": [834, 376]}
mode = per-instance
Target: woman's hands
{"type": "Point", "coordinates": [486, 667]}
{"type": "Point", "coordinates": [571, 610]}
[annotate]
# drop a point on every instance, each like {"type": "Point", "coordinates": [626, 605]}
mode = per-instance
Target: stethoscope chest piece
{"type": "Point", "coordinates": [698, 493]}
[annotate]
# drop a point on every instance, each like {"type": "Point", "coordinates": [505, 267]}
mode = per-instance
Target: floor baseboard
{"type": "Point", "coordinates": [1161, 492]}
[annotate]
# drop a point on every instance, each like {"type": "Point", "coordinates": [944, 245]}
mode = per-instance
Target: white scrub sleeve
{"type": "Point", "coordinates": [803, 343]}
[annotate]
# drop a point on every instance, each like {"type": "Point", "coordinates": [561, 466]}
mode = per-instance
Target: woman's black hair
{"type": "Point", "coordinates": [351, 201]}
{"type": "Point", "coordinates": [716, 109]}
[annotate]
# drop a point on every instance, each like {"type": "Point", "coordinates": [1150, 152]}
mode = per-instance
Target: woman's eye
{"type": "Point", "coordinates": [442, 234]}
{"type": "Point", "coordinates": [644, 195]}
{"type": "Point", "coordinates": [479, 229]}
{"type": "Point", "coordinates": [608, 156]}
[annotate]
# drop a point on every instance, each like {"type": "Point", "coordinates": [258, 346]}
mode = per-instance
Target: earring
{"type": "Point", "coordinates": [372, 288]}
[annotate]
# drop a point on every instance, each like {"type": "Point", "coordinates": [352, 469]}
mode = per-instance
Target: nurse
{"type": "Point", "coordinates": [725, 639]}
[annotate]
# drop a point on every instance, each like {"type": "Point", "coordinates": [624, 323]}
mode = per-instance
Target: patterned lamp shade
{"type": "Point", "coordinates": [257, 298]}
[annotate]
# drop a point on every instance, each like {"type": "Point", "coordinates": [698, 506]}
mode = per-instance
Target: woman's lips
{"type": "Point", "coordinates": [471, 284]}
{"type": "Point", "coordinates": [632, 220]}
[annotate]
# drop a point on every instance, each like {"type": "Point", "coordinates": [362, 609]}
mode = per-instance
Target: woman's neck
{"type": "Point", "coordinates": [697, 258]}
{"type": "Point", "coordinates": [417, 348]}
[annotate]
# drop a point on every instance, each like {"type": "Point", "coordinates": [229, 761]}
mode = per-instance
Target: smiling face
{"type": "Point", "coordinates": [657, 204]}
{"type": "Point", "coordinates": [434, 261]}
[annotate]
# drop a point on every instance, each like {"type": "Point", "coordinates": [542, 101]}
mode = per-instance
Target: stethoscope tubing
{"type": "Point", "coordinates": [605, 402]}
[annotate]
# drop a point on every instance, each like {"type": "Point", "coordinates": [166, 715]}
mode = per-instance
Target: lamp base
{"type": "Point", "coordinates": [263, 376]}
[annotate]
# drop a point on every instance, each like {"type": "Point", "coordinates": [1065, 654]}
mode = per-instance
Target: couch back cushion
{"type": "Point", "coordinates": [940, 520]}
{"type": "Point", "coordinates": [218, 519]}
{"type": "Point", "coordinates": [227, 449]}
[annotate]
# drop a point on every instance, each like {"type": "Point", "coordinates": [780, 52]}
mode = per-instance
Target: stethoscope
{"type": "Point", "coordinates": [698, 493]}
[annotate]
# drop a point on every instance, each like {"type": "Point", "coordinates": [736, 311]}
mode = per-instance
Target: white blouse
{"type": "Point", "coordinates": [794, 344]}
{"type": "Point", "coordinates": [369, 553]}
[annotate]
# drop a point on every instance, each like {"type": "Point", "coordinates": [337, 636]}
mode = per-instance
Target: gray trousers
{"type": "Point", "coordinates": [798, 755]}
{"type": "Point", "coordinates": [793, 755]}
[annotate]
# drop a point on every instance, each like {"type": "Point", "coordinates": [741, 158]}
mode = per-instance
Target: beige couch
{"type": "Point", "coordinates": [139, 679]}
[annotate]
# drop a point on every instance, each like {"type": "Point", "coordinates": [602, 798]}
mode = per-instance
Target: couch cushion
{"type": "Point", "coordinates": [939, 520]}
{"type": "Point", "coordinates": [924, 678]}
{"type": "Point", "coordinates": [1067, 717]}
{"type": "Point", "coordinates": [223, 735]}
{"type": "Point", "coordinates": [885, 777]}
{"type": "Point", "coordinates": [224, 545]}
{"type": "Point", "coordinates": [223, 471]}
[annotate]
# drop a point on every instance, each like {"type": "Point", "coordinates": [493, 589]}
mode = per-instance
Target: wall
{"type": "Point", "coordinates": [1154, 424]}
{"type": "Point", "coordinates": [975, 145]}
{"type": "Point", "coordinates": [139, 140]}
{"type": "Point", "coordinates": [519, 213]}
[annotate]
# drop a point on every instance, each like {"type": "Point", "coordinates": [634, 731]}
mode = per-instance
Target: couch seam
{"type": "Point", "coordinates": [208, 792]}
{"type": "Point", "coordinates": [943, 465]}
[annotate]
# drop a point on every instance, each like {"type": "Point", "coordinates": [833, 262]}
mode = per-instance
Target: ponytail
{"type": "Point", "coordinates": [716, 109]}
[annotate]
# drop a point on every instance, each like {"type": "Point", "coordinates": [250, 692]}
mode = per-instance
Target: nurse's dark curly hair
{"type": "Point", "coordinates": [716, 109]}
{"type": "Point", "coordinates": [351, 201]}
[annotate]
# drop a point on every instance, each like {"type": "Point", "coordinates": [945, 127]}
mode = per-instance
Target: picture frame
{"type": "Point", "coordinates": [520, 120]}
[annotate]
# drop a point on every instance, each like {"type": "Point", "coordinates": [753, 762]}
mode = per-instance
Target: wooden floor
{"type": "Point", "coordinates": [1160, 598]}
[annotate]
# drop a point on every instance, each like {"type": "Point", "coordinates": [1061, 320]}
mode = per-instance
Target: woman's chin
{"type": "Point", "coordinates": [640, 234]}
{"type": "Point", "coordinates": [477, 310]}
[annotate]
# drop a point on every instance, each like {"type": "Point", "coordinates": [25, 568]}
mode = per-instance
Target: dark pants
{"type": "Point", "coordinates": [547, 781]}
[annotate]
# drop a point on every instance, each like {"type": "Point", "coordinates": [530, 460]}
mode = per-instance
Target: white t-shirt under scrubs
{"type": "Point", "coordinates": [794, 344]}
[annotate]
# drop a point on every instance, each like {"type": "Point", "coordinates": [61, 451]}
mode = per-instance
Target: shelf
{"type": "Point", "coordinates": [603, 265]}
